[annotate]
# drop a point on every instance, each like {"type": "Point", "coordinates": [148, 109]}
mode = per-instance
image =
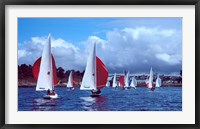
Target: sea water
{"type": "Point", "coordinates": [111, 99]}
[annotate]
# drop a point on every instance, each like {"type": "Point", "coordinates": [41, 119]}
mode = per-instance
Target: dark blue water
{"type": "Point", "coordinates": [140, 99]}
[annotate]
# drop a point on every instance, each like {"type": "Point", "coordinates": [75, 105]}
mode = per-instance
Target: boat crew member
{"type": "Point", "coordinates": [153, 88]}
{"type": "Point", "coordinates": [48, 92]}
{"type": "Point", "coordinates": [53, 91]}
{"type": "Point", "coordinates": [96, 92]}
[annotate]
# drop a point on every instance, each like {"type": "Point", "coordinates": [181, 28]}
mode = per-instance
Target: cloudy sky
{"type": "Point", "coordinates": [132, 44]}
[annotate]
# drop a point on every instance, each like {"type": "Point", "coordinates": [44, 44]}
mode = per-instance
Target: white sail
{"type": "Point", "coordinates": [133, 82]}
{"type": "Point", "coordinates": [151, 79]}
{"type": "Point", "coordinates": [119, 84]}
{"type": "Point", "coordinates": [89, 78]}
{"type": "Point", "coordinates": [114, 81]}
{"type": "Point", "coordinates": [70, 81]}
{"type": "Point", "coordinates": [45, 79]}
{"type": "Point", "coordinates": [158, 81]}
{"type": "Point", "coordinates": [126, 80]}
{"type": "Point", "coordinates": [107, 83]}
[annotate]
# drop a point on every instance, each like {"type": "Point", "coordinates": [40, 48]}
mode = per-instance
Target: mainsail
{"type": "Point", "coordinates": [114, 81]}
{"type": "Point", "coordinates": [44, 69]}
{"type": "Point", "coordinates": [127, 80]}
{"type": "Point", "coordinates": [71, 82]}
{"type": "Point", "coordinates": [158, 81]}
{"type": "Point", "coordinates": [150, 82]}
{"type": "Point", "coordinates": [89, 78]}
{"type": "Point", "coordinates": [36, 69]}
{"type": "Point", "coordinates": [133, 82]}
{"type": "Point", "coordinates": [107, 83]}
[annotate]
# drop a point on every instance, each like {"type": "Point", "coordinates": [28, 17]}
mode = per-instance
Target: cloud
{"type": "Point", "coordinates": [66, 54]}
{"type": "Point", "coordinates": [134, 49]}
{"type": "Point", "coordinates": [22, 53]}
{"type": "Point", "coordinates": [171, 60]}
{"type": "Point", "coordinates": [138, 49]}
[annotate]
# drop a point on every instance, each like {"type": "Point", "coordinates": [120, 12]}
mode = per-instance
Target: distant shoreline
{"type": "Point", "coordinates": [27, 85]}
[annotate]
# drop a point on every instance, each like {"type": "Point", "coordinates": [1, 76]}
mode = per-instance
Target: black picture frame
{"type": "Point", "coordinates": [99, 2]}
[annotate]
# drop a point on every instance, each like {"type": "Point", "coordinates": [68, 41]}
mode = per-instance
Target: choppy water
{"type": "Point", "coordinates": [140, 99]}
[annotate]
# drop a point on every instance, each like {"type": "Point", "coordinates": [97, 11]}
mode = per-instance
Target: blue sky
{"type": "Point", "coordinates": [133, 44]}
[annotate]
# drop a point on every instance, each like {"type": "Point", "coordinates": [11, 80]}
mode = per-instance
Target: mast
{"type": "Point", "coordinates": [50, 58]}
{"type": "Point", "coordinates": [95, 65]}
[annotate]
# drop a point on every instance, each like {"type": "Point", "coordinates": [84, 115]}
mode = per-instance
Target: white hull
{"type": "Point", "coordinates": [51, 96]}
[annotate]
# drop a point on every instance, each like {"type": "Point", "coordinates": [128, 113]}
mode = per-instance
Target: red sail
{"type": "Point", "coordinates": [102, 73]}
{"type": "Point", "coordinates": [36, 68]}
{"type": "Point", "coordinates": [73, 81]}
{"type": "Point", "coordinates": [147, 83]}
{"type": "Point", "coordinates": [121, 80]}
{"type": "Point", "coordinates": [153, 84]}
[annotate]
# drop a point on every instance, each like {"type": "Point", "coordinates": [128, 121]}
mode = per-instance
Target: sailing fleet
{"type": "Point", "coordinates": [94, 78]}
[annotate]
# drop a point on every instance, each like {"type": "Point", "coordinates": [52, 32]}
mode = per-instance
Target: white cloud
{"type": "Point", "coordinates": [167, 33]}
{"type": "Point", "coordinates": [66, 54]}
{"type": "Point", "coordinates": [134, 49]}
{"type": "Point", "coordinates": [22, 53]}
{"type": "Point", "coordinates": [139, 48]}
{"type": "Point", "coordinates": [170, 59]}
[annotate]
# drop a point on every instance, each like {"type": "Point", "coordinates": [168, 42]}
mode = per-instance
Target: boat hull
{"type": "Point", "coordinates": [126, 88]}
{"type": "Point", "coordinates": [95, 95]}
{"type": "Point", "coordinates": [133, 87]}
{"type": "Point", "coordinates": [54, 96]}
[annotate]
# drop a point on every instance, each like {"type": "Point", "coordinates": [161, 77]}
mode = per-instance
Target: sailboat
{"type": "Point", "coordinates": [150, 83]}
{"type": "Point", "coordinates": [108, 83]}
{"type": "Point", "coordinates": [71, 83]}
{"type": "Point", "coordinates": [133, 82]}
{"type": "Point", "coordinates": [158, 81]}
{"type": "Point", "coordinates": [127, 81]}
{"type": "Point", "coordinates": [44, 72]}
{"type": "Point", "coordinates": [96, 74]}
{"type": "Point", "coordinates": [114, 85]}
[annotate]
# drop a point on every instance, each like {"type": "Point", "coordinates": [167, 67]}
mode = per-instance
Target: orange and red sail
{"type": "Point", "coordinates": [121, 80]}
{"type": "Point", "coordinates": [73, 81]}
{"type": "Point", "coordinates": [102, 74]}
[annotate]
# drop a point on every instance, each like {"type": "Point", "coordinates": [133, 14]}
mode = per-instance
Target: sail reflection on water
{"type": "Point", "coordinates": [94, 104]}
{"type": "Point", "coordinates": [44, 105]}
